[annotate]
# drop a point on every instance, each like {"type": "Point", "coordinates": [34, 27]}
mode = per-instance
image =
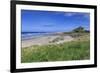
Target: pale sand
{"type": "Point", "coordinates": [44, 40]}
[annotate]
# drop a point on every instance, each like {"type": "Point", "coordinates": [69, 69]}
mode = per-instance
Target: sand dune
{"type": "Point", "coordinates": [44, 40]}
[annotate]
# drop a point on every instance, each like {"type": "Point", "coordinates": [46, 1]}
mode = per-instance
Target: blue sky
{"type": "Point", "coordinates": [50, 21]}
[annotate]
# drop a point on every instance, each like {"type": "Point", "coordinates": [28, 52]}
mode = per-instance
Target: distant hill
{"type": "Point", "coordinates": [80, 29]}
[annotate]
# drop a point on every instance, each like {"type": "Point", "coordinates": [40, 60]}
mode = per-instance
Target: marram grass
{"type": "Point", "coordinates": [78, 49]}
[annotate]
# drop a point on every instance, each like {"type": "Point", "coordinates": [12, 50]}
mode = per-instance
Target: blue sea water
{"type": "Point", "coordinates": [30, 35]}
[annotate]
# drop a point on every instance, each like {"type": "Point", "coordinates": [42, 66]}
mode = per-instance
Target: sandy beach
{"type": "Point", "coordinates": [44, 40]}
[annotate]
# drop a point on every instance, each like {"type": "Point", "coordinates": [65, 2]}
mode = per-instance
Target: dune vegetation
{"type": "Point", "coordinates": [77, 49]}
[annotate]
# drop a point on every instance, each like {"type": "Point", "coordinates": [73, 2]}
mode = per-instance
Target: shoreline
{"type": "Point", "coordinates": [44, 40]}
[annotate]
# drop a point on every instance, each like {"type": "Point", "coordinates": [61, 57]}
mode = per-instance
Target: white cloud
{"type": "Point", "coordinates": [69, 14]}
{"type": "Point", "coordinates": [86, 15]}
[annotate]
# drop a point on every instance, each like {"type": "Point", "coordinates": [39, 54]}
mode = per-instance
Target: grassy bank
{"type": "Point", "coordinates": [77, 49]}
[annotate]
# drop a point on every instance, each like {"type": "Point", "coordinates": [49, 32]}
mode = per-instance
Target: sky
{"type": "Point", "coordinates": [53, 21]}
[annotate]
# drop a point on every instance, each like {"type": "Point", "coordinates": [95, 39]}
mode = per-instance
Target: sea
{"type": "Point", "coordinates": [32, 35]}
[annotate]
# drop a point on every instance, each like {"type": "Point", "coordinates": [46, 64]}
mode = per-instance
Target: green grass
{"type": "Point", "coordinates": [78, 49]}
